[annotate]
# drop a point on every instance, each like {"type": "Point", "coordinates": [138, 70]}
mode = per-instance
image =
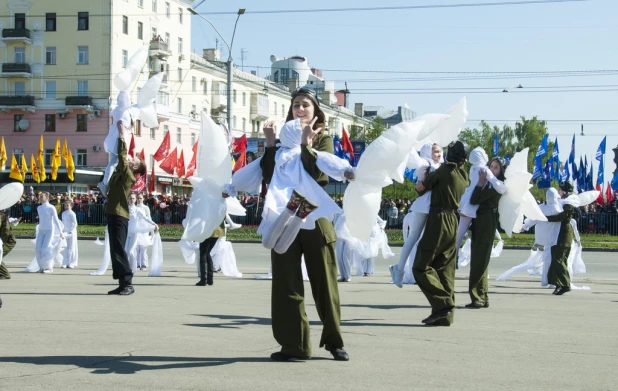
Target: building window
{"type": "Point", "coordinates": [223, 89]}
{"type": "Point", "coordinates": [138, 128]}
{"type": "Point", "coordinates": [178, 135]}
{"type": "Point", "coordinates": [179, 46]}
{"type": "Point", "coordinates": [163, 98]}
{"type": "Point", "coordinates": [234, 95]}
{"type": "Point", "coordinates": [179, 74]}
{"type": "Point", "coordinates": [153, 132]}
{"type": "Point", "coordinates": [192, 138]}
{"type": "Point", "coordinates": [193, 83]}
{"type": "Point", "coordinates": [244, 98]}
{"type": "Point", "coordinates": [20, 88]}
{"type": "Point", "coordinates": [179, 105]}
{"type": "Point", "coordinates": [82, 157]}
{"type": "Point", "coordinates": [165, 129]}
{"type": "Point", "coordinates": [234, 122]}
{"type": "Point", "coordinates": [50, 22]}
{"type": "Point", "coordinates": [244, 124]}
{"type": "Point", "coordinates": [16, 119]}
{"type": "Point", "coordinates": [125, 58]}
{"type": "Point", "coordinates": [125, 25]}
{"type": "Point", "coordinates": [82, 123]}
{"type": "Point", "coordinates": [48, 157]}
{"type": "Point", "coordinates": [18, 154]}
{"type": "Point", "coordinates": [82, 54]}
{"type": "Point", "coordinates": [82, 88]}
{"type": "Point", "coordinates": [154, 34]}
{"type": "Point", "coordinates": [50, 56]}
{"type": "Point", "coordinates": [205, 87]}
{"type": "Point", "coordinates": [193, 111]}
{"type": "Point", "coordinates": [275, 105]}
{"type": "Point", "coordinates": [20, 55]}
{"type": "Point", "coordinates": [180, 15]}
{"type": "Point", "coordinates": [20, 21]}
{"type": "Point", "coordinates": [50, 90]}
{"type": "Point", "coordinates": [276, 77]}
{"type": "Point", "coordinates": [82, 20]}
{"type": "Point", "coordinates": [50, 122]}
{"type": "Point", "coordinates": [140, 30]}
{"type": "Point", "coordinates": [167, 38]}
{"type": "Point", "coordinates": [167, 10]}
{"type": "Point", "coordinates": [154, 5]}
{"type": "Point", "coordinates": [140, 3]}
{"type": "Point", "coordinates": [282, 110]}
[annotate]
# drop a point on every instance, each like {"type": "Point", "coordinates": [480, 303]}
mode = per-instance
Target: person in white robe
{"type": "Point", "coordinates": [139, 223]}
{"type": "Point", "coordinates": [142, 253]}
{"type": "Point", "coordinates": [69, 222]}
{"type": "Point", "coordinates": [49, 227]}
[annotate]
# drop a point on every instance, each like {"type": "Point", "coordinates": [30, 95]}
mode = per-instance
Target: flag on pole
{"type": "Point", "coordinates": [169, 163]}
{"type": "Point", "coordinates": [609, 193]}
{"type": "Point", "coordinates": [572, 154]}
{"type": "Point", "coordinates": [191, 166]}
{"type": "Point", "coordinates": [132, 146]}
{"type": "Point", "coordinates": [566, 174]}
{"type": "Point", "coordinates": [3, 156]}
{"type": "Point", "coordinates": [589, 185]}
{"type": "Point", "coordinates": [151, 185]}
{"type": "Point", "coordinates": [24, 167]}
{"type": "Point", "coordinates": [140, 183]}
{"type": "Point", "coordinates": [164, 148]}
{"type": "Point", "coordinates": [600, 199]}
{"type": "Point", "coordinates": [34, 169]}
{"type": "Point", "coordinates": [195, 146]}
{"type": "Point", "coordinates": [346, 144]}
{"type": "Point", "coordinates": [141, 155]}
{"type": "Point", "coordinates": [600, 180]}
{"type": "Point", "coordinates": [337, 148]}
{"type": "Point", "coordinates": [15, 173]}
{"type": "Point", "coordinates": [70, 167]}
{"type": "Point", "coordinates": [240, 144]}
{"type": "Point", "coordinates": [180, 169]}
{"type": "Point", "coordinates": [65, 151]}
{"type": "Point", "coordinates": [241, 161]}
{"type": "Point", "coordinates": [601, 149]}
{"type": "Point", "coordinates": [496, 145]}
{"type": "Point", "coordinates": [556, 160]}
{"type": "Point", "coordinates": [41, 160]}
{"type": "Point", "coordinates": [56, 160]}
{"type": "Point", "coordinates": [542, 150]}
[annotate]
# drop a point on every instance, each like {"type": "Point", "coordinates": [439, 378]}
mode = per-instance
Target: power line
{"type": "Point", "coordinates": [551, 72]}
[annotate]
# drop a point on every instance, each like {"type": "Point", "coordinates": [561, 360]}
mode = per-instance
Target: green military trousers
{"type": "Point", "coordinates": [483, 232]}
{"type": "Point", "coordinates": [289, 320]}
{"type": "Point", "coordinates": [6, 249]}
{"type": "Point", "coordinates": [436, 260]}
{"type": "Point", "coordinates": [558, 273]}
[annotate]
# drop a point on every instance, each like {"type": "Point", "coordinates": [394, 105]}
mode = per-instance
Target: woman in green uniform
{"type": "Point", "coordinates": [289, 320]}
{"type": "Point", "coordinates": [558, 273]}
{"type": "Point", "coordinates": [484, 226]}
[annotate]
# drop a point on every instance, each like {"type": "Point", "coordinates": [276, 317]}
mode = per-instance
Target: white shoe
{"type": "Point", "coordinates": [47, 271]}
{"type": "Point", "coordinates": [234, 226]}
{"type": "Point", "coordinates": [396, 275]}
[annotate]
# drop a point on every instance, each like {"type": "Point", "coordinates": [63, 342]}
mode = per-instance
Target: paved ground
{"type": "Point", "coordinates": [61, 332]}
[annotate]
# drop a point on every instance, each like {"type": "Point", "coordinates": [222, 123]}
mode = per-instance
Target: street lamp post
{"type": "Point", "coordinates": [229, 63]}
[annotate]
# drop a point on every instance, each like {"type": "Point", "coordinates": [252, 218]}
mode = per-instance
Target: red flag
{"type": "Point", "coordinates": [164, 148]}
{"type": "Point", "coordinates": [132, 146]}
{"type": "Point", "coordinates": [140, 184]}
{"type": "Point", "coordinates": [180, 168]}
{"type": "Point", "coordinates": [195, 146]}
{"type": "Point", "coordinates": [169, 163]}
{"type": "Point", "coordinates": [141, 155]}
{"type": "Point", "coordinates": [609, 193]}
{"type": "Point", "coordinates": [191, 167]}
{"type": "Point", "coordinates": [600, 200]}
{"type": "Point", "coordinates": [240, 145]}
{"type": "Point", "coordinates": [241, 161]}
{"type": "Point", "coordinates": [151, 187]}
{"type": "Point", "coordinates": [346, 144]}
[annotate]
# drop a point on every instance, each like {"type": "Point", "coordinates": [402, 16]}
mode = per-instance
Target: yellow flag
{"type": "Point", "coordinates": [56, 160]}
{"type": "Point", "coordinates": [65, 151]}
{"type": "Point", "coordinates": [35, 171]}
{"type": "Point", "coordinates": [41, 161]}
{"type": "Point", "coordinates": [15, 173]}
{"type": "Point", "coordinates": [70, 167]}
{"type": "Point", "coordinates": [2, 154]}
{"type": "Point", "coordinates": [24, 166]}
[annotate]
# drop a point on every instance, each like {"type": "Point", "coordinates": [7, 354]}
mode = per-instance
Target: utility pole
{"type": "Point", "coordinates": [243, 55]}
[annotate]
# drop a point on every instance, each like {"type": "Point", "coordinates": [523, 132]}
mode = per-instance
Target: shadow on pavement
{"type": "Point", "coordinates": [127, 365]}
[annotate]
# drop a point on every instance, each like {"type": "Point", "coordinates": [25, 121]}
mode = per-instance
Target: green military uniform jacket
{"type": "Point", "coordinates": [6, 234]}
{"type": "Point", "coordinates": [486, 221]}
{"type": "Point", "coordinates": [453, 181]}
{"type": "Point", "coordinates": [566, 230]}
{"type": "Point", "coordinates": [120, 185]}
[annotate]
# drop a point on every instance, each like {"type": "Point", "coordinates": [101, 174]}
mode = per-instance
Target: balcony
{"type": "Point", "coordinates": [16, 70]}
{"type": "Point", "coordinates": [259, 107]}
{"type": "Point", "coordinates": [23, 103]}
{"type": "Point", "coordinates": [163, 112]}
{"type": "Point", "coordinates": [79, 102]}
{"type": "Point", "coordinates": [159, 49]}
{"type": "Point", "coordinates": [16, 35]}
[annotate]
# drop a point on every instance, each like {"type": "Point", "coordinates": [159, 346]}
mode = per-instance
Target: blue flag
{"type": "Point", "coordinates": [556, 160]}
{"type": "Point", "coordinates": [575, 173]}
{"type": "Point", "coordinates": [601, 149]}
{"type": "Point", "coordinates": [409, 174]}
{"type": "Point", "coordinates": [542, 151]}
{"type": "Point", "coordinates": [566, 175]}
{"type": "Point", "coordinates": [600, 174]}
{"type": "Point", "coordinates": [496, 145]}
{"type": "Point", "coordinates": [507, 159]}
{"type": "Point", "coordinates": [538, 169]}
{"type": "Point", "coordinates": [572, 154]}
{"type": "Point", "coordinates": [614, 183]}
{"type": "Point", "coordinates": [338, 148]}
{"type": "Point", "coordinates": [589, 185]}
{"type": "Point", "coordinates": [581, 178]}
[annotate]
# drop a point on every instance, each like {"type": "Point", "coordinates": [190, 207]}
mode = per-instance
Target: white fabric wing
{"type": "Point", "coordinates": [447, 129]}
{"type": "Point", "coordinates": [248, 178]}
{"type": "Point", "coordinates": [156, 263]}
{"type": "Point", "coordinates": [213, 158]}
{"type": "Point", "coordinates": [205, 211]}
{"type": "Point", "coordinates": [588, 197]}
{"type": "Point", "coordinates": [333, 166]}
{"type": "Point", "coordinates": [189, 250]}
{"type": "Point", "coordinates": [10, 194]}
{"type": "Point", "coordinates": [127, 76]}
{"type": "Point", "coordinates": [234, 207]}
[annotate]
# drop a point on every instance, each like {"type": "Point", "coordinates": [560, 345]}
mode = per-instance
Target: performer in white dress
{"type": "Point", "coordinates": [139, 224]}
{"type": "Point", "coordinates": [69, 221]}
{"type": "Point", "coordinates": [49, 227]}
{"type": "Point", "coordinates": [142, 253]}
{"type": "Point", "coordinates": [417, 216]}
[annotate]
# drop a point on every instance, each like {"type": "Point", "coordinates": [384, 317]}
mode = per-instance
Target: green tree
{"type": "Point", "coordinates": [374, 130]}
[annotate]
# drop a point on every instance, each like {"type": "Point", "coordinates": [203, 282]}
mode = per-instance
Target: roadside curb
{"type": "Point", "coordinates": [396, 244]}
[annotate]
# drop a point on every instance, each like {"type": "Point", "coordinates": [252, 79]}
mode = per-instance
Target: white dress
{"type": "Point", "coordinates": [139, 223]}
{"type": "Point", "coordinates": [142, 253]}
{"type": "Point", "coordinates": [70, 254]}
{"type": "Point", "coordinates": [48, 242]}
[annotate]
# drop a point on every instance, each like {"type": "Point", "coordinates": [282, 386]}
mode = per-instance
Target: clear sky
{"type": "Point", "coordinates": [578, 36]}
